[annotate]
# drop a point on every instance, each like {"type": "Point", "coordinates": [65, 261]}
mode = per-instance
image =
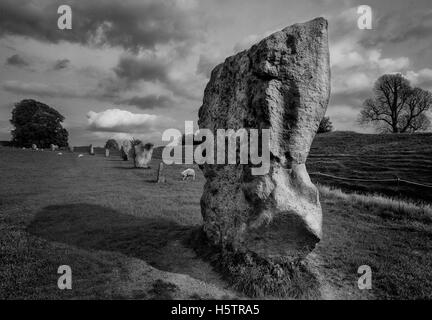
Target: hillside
{"type": "Point", "coordinates": [375, 157]}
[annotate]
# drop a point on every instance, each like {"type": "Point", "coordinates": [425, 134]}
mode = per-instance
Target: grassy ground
{"type": "Point", "coordinates": [126, 236]}
{"type": "Point", "coordinates": [371, 156]}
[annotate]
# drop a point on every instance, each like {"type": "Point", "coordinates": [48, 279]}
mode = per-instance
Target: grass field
{"type": "Point", "coordinates": [375, 157]}
{"type": "Point", "coordinates": [126, 236]}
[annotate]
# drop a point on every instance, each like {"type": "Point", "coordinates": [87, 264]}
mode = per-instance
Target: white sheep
{"type": "Point", "coordinates": [80, 155]}
{"type": "Point", "coordinates": [188, 173]}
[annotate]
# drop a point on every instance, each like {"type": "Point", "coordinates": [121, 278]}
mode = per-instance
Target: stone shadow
{"type": "Point", "coordinates": [162, 243]}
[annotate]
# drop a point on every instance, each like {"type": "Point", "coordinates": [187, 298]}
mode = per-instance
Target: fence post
{"type": "Point", "coordinates": [398, 192]}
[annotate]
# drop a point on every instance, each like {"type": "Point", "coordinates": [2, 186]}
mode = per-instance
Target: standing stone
{"type": "Point", "coordinates": [161, 174]}
{"type": "Point", "coordinates": [107, 153]}
{"type": "Point", "coordinates": [142, 155]}
{"type": "Point", "coordinates": [91, 150]}
{"type": "Point", "coordinates": [71, 149]}
{"type": "Point", "coordinates": [125, 150]}
{"type": "Point", "coordinates": [281, 84]}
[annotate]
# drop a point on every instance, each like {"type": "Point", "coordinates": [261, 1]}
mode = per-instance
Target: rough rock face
{"type": "Point", "coordinates": [281, 84]}
{"type": "Point", "coordinates": [143, 154]}
{"type": "Point", "coordinates": [125, 150]}
{"type": "Point", "coordinates": [161, 174]}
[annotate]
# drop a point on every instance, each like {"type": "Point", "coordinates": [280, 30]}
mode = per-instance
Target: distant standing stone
{"type": "Point", "coordinates": [161, 173]}
{"type": "Point", "coordinates": [91, 150]}
{"type": "Point", "coordinates": [143, 155]}
{"type": "Point", "coordinates": [125, 150]}
{"type": "Point", "coordinates": [107, 153]}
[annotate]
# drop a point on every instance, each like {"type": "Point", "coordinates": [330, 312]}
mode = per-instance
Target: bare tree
{"type": "Point", "coordinates": [396, 107]}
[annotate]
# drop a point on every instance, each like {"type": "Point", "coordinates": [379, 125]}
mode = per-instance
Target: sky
{"type": "Point", "coordinates": [134, 68]}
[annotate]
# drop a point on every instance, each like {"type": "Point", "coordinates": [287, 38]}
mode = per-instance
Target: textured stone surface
{"type": "Point", "coordinates": [161, 173]}
{"type": "Point", "coordinates": [282, 84]}
{"type": "Point", "coordinates": [125, 150]}
{"type": "Point", "coordinates": [143, 155]}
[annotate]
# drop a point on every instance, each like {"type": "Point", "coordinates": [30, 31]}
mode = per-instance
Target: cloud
{"type": "Point", "coordinates": [61, 64]}
{"type": "Point", "coordinates": [149, 67]}
{"type": "Point", "coordinates": [421, 78]}
{"type": "Point", "coordinates": [252, 39]}
{"type": "Point", "coordinates": [116, 120]}
{"type": "Point", "coordinates": [40, 89]}
{"type": "Point", "coordinates": [165, 67]}
{"type": "Point", "coordinates": [150, 102]}
{"type": "Point", "coordinates": [17, 61]}
{"type": "Point", "coordinates": [397, 27]}
{"type": "Point", "coordinates": [206, 64]}
{"type": "Point", "coordinates": [130, 24]}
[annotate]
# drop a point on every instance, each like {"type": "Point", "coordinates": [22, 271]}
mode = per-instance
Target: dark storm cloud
{"type": "Point", "coordinates": [61, 64]}
{"type": "Point", "coordinates": [132, 68]}
{"type": "Point", "coordinates": [17, 61]}
{"type": "Point", "coordinates": [150, 102]}
{"type": "Point", "coordinates": [130, 24]}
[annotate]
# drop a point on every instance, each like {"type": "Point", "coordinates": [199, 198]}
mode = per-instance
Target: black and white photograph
{"type": "Point", "coordinates": [215, 150]}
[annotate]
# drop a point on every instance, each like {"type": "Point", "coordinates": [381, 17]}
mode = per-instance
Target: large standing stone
{"type": "Point", "coordinates": [143, 155]}
{"type": "Point", "coordinates": [125, 150]}
{"type": "Point", "coordinates": [282, 84]}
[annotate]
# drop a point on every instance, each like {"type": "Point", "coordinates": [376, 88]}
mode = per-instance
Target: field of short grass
{"type": "Point", "coordinates": [375, 157]}
{"type": "Point", "coordinates": [127, 237]}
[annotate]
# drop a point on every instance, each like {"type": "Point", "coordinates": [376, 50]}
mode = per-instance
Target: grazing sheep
{"type": "Point", "coordinates": [59, 154]}
{"type": "Point", "coordinates": [188, 173]}
{"type": "Point", "coordinates": [80, 155]}
{"type": "Point", "coordinates": [54, 147]}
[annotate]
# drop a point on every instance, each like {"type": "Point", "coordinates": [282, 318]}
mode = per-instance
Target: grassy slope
{"type": "Point", "coordinates": [121, 233]}
{"type": "Point", "coordinates": [371, 156]}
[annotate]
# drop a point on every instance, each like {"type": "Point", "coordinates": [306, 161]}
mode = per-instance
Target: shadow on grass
{"type": "Point", "coordinates": [132, 168]}
{"type": "Point", "coordinates": [160, 242]}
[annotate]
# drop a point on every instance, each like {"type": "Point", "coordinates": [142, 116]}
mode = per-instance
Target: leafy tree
{"type": "Point", "coordinates": [111, 144]}
{"type": "Point", "coordinates": [325, 125]}
{"type": "Point", "coordinates": [37, 123]}
{"type": "Point", "coordinates": [396, 107]}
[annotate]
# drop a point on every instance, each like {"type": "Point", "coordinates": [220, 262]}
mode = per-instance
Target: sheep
{"type": "Point", "coordinates": [80, 155]}
{"type": "Point", "coordinates": [59, 154]}
{"type": "Point", "coordinates": [188, 173]}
